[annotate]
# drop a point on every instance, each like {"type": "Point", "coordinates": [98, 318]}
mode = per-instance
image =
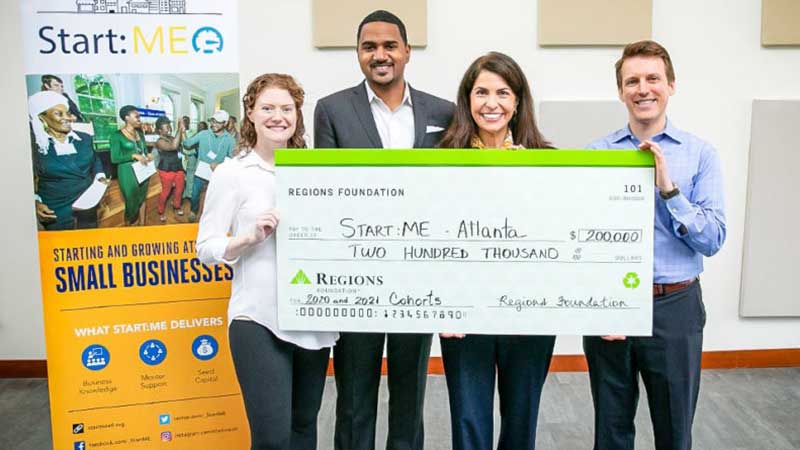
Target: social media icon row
{"type": "Point", "coordinates": [166, 436]}
{"type": "Point", "coordinates": [152, 352]}
{"type": "Point", "coordinates": [163, 419]}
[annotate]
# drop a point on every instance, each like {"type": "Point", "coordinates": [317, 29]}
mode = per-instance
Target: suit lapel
{"type": "Point", "coordinates": [420, 117]}
{"type": "Point", "coordinates": [364, 113]}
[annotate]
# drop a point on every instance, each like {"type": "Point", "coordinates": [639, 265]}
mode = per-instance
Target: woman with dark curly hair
{"type": "Point", "coordinates": [170, 169]}
{"type": "Point", "coordinates": [281, 373]}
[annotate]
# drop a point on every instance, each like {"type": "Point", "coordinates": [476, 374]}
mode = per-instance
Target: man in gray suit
{"type": "Point", "coordinates": [382, 112]}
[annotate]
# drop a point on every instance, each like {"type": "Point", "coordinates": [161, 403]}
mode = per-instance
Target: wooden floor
{"type": "Point", "coordinates": [741, 409]}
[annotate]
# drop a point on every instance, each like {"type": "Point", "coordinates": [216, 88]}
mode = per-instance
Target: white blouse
{"type": "Point", "coordinates": [241, 189]}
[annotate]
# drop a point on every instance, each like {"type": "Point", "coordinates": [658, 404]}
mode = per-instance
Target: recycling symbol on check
{"type": "Point", "coordinates": [631, 280]}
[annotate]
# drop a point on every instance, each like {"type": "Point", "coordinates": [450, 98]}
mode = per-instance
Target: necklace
{"type": "Point", "coordinates": [131, 135]}
{"type": "Point", "coordinates": [135, 139]}
{"type": "Point", "coordinates": [214, 143]}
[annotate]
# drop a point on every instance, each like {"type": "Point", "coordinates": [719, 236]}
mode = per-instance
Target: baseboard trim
{"type": "Point", "coordinates": [752, 359]}
{"type": "Point", "coordinates": [23, 368]}
{"type": "Point", "coordinates": [728, 359]}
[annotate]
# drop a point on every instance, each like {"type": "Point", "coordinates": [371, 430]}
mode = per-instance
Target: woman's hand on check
{"type": "Point", "coordinates": [452, 335]}
{"type": "Point", "coordinates": [265, 225]}
{"type": "Point", "coordinates": [613, 337]}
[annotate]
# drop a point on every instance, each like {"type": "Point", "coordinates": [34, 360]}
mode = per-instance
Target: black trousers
{"type": "Point", "coordinates": [281, 385]}
{"type": "Point", "coordinates": [79, 220]}
{"type": "Point", "coordinates": [520, 364]}
{"type": "Point", "coordinates": [357, 361]}
{"type": "Point", "coordinates": [669, 364]}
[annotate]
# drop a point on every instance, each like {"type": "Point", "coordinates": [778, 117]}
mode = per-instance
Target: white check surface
{"type": "Point", "coordinates": [495, 250]}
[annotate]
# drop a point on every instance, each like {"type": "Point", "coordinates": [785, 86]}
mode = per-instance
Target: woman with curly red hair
{"type": "Point", "coordinates": [281, 373]}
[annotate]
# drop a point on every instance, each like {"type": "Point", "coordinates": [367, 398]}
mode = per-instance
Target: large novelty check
{"type": "Point", "coordinates": [495, 242]}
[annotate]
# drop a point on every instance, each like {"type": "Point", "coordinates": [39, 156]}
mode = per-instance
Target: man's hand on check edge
{"type": "Point", "coordinates": [452, 335]}
{"type": "Point", "coordinates": [663, 182]}
{"type": "Point", "coordinates": [613, 337]}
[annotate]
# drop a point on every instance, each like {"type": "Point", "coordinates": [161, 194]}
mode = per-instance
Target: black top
{"type": "Point", "coordinates": [169, 161]}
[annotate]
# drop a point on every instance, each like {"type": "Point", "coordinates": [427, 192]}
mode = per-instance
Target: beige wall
{"type": "Point", "coordinates": [720, 63]}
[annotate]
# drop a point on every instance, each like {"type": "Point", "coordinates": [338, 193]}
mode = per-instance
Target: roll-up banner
{"type": "Point", "coordinates": [120, 99]}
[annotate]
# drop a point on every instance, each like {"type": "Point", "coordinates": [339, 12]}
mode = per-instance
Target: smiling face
{"type": "Point", "coordinates": [57, 119]}
{"type": "Point", "coordinates": [492, 104]}
{"type": "Point", "coordinates": [217, 127]}
{"type": "Point", "coordinates": [382, 54]}
{"type": "Point", "coordinates": [133, 119]}
{"type": "Point", "coordinates": [165, 130]}
{"type": "Point", "coordinates": [274, 116]}
{"type": "Point", "coordinates": [645, 90]}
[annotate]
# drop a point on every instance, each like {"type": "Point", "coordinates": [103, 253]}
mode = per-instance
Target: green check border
{"type": "Point", "coordinates": [463, 157]}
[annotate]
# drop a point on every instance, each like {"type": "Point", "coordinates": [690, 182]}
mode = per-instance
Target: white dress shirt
{"type": "Point", "coordinates": [396, 128]}
{"type": "Point", "coordinates": [241, 189]}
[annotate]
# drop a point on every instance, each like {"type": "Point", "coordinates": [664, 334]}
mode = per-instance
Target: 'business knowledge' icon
{"type": "Point", "coordinates": [153, 352]}
{"type": "Point", "coordinates": [95, 357]}
{"type": "Point", "coordinates": [205, 347]}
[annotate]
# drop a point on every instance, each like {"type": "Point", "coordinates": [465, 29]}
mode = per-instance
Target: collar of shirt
{"type": "Point", "coordinates": [373, 97]}
{"type": "Point", "coordinates": [213, 144]}
{"type": "Point", "coordinates": [395, 128]}
{"type": "Point", "coordinates": [66, 147]}
{"type": "Point", "coordinates": [249, 158]}
{"type": "Point", "coordinates": [219, 136]}
{"type": "Point", "coordinates": [669, 132]}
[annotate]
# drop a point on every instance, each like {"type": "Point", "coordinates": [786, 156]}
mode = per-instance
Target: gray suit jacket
{"type": "Point", "coordinates": [344, 120]}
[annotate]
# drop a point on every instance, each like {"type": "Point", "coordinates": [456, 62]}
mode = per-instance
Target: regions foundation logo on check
{"type": "Point", "coordinates": [337, 279]}
{"type": "Point", "coordinates": [300, 278]}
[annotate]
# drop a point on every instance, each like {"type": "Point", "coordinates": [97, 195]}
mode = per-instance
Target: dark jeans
{"type": "Point", "coordinates": [357, 361]}
{"type": "Point", "coordinates": [281, 385]}
{"type": "Point", "coordinates": [669, 364]}
{"type": "Point", "coordinates": [470, 364]}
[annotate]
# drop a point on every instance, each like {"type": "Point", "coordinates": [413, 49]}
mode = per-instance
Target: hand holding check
{"type": "Point", "coordinates": [265, 226]}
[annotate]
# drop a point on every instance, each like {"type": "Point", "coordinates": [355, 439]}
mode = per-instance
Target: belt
{"type": "Point", "coordinates": [668, 288]}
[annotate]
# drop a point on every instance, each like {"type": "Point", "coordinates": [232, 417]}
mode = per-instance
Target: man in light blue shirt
{"type": "Point", "coordinates": [689, 224]}
{"type": "Point", "coordinates": [213, 146]}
